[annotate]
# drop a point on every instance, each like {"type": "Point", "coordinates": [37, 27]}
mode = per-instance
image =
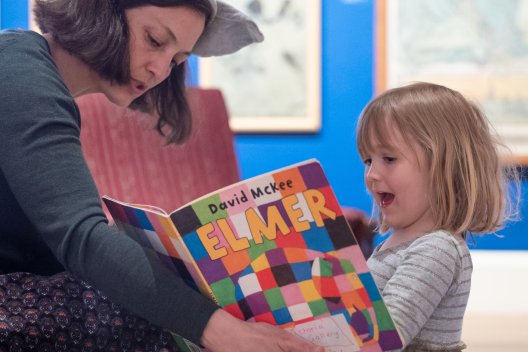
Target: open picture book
{"type": "Point", "coordinates": [274, 248]}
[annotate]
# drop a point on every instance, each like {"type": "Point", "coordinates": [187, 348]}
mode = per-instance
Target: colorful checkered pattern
{"type": "Point", "coordinates": [309, 266]}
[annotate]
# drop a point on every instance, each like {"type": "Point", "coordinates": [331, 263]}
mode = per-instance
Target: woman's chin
{"type": "Point", "coordinates": [123, 102]}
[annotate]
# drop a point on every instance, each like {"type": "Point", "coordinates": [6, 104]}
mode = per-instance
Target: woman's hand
{"type": "Point", "coordinates": [227, 333]}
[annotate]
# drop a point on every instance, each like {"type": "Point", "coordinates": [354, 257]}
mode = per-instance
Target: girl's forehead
{"type": "Point", "coordinates": [390, 140]}
{"type": "Point", "coordinates": [384, 135]}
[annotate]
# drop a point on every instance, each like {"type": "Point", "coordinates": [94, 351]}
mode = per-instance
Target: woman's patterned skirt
{"type": "Point", "coordinates": [61, 313]}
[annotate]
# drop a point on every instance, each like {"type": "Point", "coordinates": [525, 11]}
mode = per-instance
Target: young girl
{"type": "Point", "coordinates": [432, 166]}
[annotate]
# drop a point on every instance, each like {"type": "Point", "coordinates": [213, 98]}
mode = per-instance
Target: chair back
{"type": "Point", "coordinates": [129, 161]}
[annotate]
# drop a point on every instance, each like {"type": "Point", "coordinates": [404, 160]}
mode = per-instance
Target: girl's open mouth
{"type": "Point", "coordinates": [386, 199]}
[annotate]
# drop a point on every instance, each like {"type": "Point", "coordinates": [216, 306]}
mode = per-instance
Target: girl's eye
{"type": "Point", "coordinates": [389, 159]}
{"type": "Point", "coordinates": [367, 162]}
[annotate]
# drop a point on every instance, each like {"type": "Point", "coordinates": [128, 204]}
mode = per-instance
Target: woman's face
{"type": "Point", "coordinates": [160, 39]}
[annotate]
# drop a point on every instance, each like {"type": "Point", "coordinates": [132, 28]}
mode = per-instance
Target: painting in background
{"type": "Point", "coordinates": [273, 86]}
{"type": "Point", "coordinates": [32, 25]}
{"type": "Point", "coordinates": [479, 47]}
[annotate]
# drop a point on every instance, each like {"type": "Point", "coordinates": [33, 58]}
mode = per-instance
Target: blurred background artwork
{"type": "Point", "coordinates": [273, 86]}
{"type": "Point", "coordinates": [479, 47]}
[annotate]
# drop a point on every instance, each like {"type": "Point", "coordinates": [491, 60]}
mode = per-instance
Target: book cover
{"type": "Point", "coordinates": [275, 248]}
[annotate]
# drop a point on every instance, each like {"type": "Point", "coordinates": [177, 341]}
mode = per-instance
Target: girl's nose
{"type": "Point", "coordinates": [371, 172]}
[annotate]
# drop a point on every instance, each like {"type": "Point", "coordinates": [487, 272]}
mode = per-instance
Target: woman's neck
{"type": "Point", "coordinates": [77, 76]}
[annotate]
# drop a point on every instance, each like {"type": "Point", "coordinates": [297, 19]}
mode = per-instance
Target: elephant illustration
{"type": "Point", "coordinates": [288, 286]}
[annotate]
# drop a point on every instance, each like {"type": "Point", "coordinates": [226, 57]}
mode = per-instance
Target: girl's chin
{"type": "Point", "coordinates": [387, 221]}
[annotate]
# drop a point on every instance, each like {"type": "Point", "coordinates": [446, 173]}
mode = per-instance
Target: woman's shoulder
{"type": "Point", "coordinates": [32, 86]}
{"type": "Point", "coordinates": [26, 65]}
{"type": "Point", "coordinates": [16, 40]}
{"type": "Point", "coordinates": [24, 54]}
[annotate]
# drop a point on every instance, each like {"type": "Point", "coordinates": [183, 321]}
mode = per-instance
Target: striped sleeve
{"type": "Point", "coordinates": [426, 272]}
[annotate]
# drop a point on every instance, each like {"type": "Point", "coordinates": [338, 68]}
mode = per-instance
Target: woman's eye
{"type": "Point", "coordinates": [153, 41]}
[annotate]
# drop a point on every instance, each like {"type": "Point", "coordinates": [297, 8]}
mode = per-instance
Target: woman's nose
{"type": "Point", "coordinates": [159, 68]}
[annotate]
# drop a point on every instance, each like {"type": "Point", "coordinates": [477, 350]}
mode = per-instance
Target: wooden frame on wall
{"type": "Point", "coordinates": [380, 43]}
{"type": "Point", "coordinates": [477, 48]}
{"type": "Point", "coordinates": [273, 86]}
{"type": "Point", "coordinates": [31, 19]}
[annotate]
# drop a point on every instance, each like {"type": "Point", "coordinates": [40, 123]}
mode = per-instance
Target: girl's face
{"type": "Point", "coordinates": [398, 179]}
{"type": "Point", "coordinates": [160, 39]}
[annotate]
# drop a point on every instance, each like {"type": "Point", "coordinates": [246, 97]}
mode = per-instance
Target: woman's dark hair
{"type": "Point", "coordinates": [96, 32]}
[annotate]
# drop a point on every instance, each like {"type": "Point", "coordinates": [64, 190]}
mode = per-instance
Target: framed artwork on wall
{"type": "Point", "coordinates": [273, 86]}
{"type": "Point", "coordinates": [477, 47]}
{"type": "Point", "coordinates": [31, 19]}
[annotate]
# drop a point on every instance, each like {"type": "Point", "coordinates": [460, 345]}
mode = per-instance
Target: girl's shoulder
{"type": "Point", "coordinates": [440, 236]}
{"type": "Point", "coordinates": [438, 248]}
{"type": "Point", "coordinates": [441, 245]}
{"type": "Point", "coordinates": [434, 244]}
{"type": "Point", "coordinates": [438, 252]}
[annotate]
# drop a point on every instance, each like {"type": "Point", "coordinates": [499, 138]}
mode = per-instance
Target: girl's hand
{"type": "Point", "coordinates": [227, 333]}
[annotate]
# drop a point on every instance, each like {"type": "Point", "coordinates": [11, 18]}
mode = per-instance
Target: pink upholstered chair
{"type": "Point", "coordinates": [129, 161]}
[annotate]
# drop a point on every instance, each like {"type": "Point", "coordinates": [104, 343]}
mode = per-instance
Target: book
{"type": "Point", "coordinates": [274, 248]}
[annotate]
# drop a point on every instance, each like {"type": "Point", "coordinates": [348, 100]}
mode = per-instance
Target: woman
{"type": "Point", "coordinates": [51, 220]}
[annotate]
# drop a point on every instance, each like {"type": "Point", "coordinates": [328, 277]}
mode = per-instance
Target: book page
{"type": "Point", "coordinates": [147, 207]}
{"type": "Point", "coordinates": [333, 333]}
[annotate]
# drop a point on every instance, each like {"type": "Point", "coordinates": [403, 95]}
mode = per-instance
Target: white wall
{"type": "Point", "coordinates": [499, 284]}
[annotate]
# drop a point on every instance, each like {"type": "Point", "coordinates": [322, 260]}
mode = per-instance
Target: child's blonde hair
{"type": "Point", "coordinates": [469, 184]}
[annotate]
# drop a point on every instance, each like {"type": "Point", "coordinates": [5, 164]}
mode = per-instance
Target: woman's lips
{"type": "Point", "coordinates": [138, 87]}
